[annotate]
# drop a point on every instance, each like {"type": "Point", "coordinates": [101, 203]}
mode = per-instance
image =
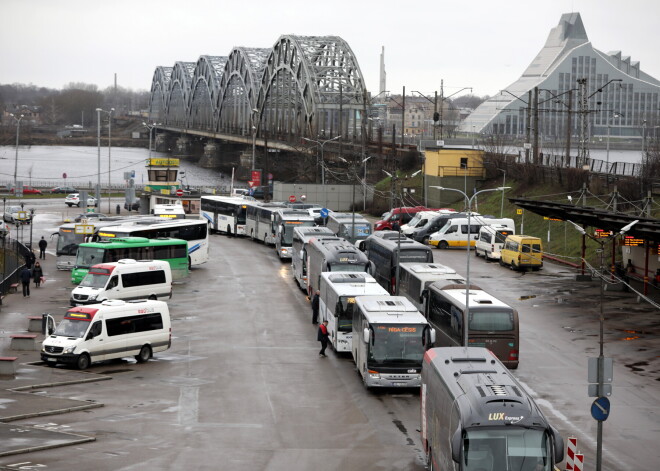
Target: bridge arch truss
{"type": "Point", "coordinates": [304, 86]}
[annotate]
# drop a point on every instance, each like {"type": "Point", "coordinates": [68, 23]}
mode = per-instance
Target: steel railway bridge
{"type": "Point", "coordinates": [302, 87]}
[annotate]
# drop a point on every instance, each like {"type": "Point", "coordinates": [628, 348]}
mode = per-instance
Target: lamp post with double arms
{"type": "Point", "coordinates": [601, 357]}
{"type": "Point", "coordinates": [468, 202]}
{"type": "Point", "coordinates": [18, 131]}
{"type": "Point", "coordinates": [321, 143]}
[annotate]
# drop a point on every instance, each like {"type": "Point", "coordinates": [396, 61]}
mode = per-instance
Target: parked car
{"type": "Point", "coordinates": [11, 215]}
{"type": "Point", "coordinates": [28, 191]}
{"type": "Point", "coordinates": [64, 189]}
{"type": "Point", "coordinates": [82, 216]}
{"type": "Point", "coordinates": [73, 199]}
{"type": "Point", "coordinates": [134, 206]}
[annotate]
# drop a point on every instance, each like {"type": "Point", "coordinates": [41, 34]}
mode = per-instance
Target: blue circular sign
{"type": "Point", "coordinates": [324, 212]}
{"type": "Point", "coordinates": [600, 409]}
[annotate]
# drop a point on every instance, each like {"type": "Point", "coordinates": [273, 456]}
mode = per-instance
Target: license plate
{"type": "Point", "coordinates": [399, 383]}
{"type": "Point", "coordinates": [51, 359]}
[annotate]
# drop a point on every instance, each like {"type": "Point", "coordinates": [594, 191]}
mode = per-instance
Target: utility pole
{"type": "Point", "coordinates": [442, 105]}
{"type": "Point", "coordinates": [403, 118]}
{"type": "Point", "coordinates": [529, 125]}
{"type": "Point", "coordinates": [435, 112]}
{"type": "Point", "coordinates": [536, 126]}
{"type": "Point", "coordinates": [569, 127]}
{"type": "Point", "coordinates": [583, 151]}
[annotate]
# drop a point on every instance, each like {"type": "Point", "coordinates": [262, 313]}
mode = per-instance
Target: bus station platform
{"type": "Point", "coordinates": [26, 405]}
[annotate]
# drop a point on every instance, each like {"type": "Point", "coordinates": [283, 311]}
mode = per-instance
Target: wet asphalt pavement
{"type": "Point", "coordinates": [243, 388]}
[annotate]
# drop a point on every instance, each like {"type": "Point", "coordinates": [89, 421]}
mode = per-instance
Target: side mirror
{"type": "Point", "coordinates": [456, 441]}
{"type": "Point", "coordinates": [559, 445]}
{"type": "Point", "coordinates": [432, 336]}
{"type": "Point", "coordinates": [366, 335]}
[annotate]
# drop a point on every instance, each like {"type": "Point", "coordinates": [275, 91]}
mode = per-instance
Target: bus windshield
{"type": "Point", "coordinates": [396, 345]}
{"type": "Point", "coordinates": [287, 231]}
{"type": "Point", "coordinates": [88, 256]}
{"type": "Point", "coordinates": [506, 448]}
{"type": "Point", "coordinates": [94, 280]}
{"type": "Point", "coordinates": [491, 321]}
{"type": "Point", "coordinates": [358, 267]}
{"type": "Point", "coordinates": [345, 307]}
{"type": "Point", "coordinates": [71, 328]}
{"type": "Point", "coordinates": [67, 242]}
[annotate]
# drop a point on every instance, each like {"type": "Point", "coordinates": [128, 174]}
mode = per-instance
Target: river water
{"type": "Point", "coordinates": [45, 166]}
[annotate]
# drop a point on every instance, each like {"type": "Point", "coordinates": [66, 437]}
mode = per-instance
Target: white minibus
{"type": "Point", "coordinates": [490, 241]}
{"type": "Point", "coordinates": [455, 231]}
{"type": "Point", "coordinates": [126, 279]}
{"type": "Point", "coordinates": [112, 329]}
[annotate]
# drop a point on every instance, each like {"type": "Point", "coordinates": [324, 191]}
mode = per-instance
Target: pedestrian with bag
{"type": "Point", "coordinates": [37, 274]}
{"type": "Point", "coordinates": [42, 248]}
{"type": "Point", "coordinates": [315, 307]}
{"type": "Point", "coordinates": [322, 337]}
{"type": "Point", "coordinates": [26, 278]}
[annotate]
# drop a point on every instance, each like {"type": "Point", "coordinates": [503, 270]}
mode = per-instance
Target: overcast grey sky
{"type": "Point", "coordinates": [482, 44]}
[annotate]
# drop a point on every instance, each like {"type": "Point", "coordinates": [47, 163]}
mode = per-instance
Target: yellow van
{"type": "Point", "coordinates": [521, 251]}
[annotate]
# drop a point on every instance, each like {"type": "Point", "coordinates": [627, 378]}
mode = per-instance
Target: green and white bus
{"type": "Point", "coordinates": [174, 251]}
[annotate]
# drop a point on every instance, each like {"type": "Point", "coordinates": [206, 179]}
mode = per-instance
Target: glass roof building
{"type": "Point", "coordinates": [617, 91]}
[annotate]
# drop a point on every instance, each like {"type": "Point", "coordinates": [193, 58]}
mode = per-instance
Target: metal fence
{"type": "Point", "coordinates": [13, 255]}
{"type": "Point", "coordinates": [595, 165]}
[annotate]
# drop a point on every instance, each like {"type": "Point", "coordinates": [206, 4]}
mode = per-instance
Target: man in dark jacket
{"type": "Point", "coordinates": [322, 336]}
{"type": "Point", "coordinates": [315, 307]}
{"type": "Point", "coordinates": [42, 248]}
{"type": "Point", "coordinates": [26, 277]}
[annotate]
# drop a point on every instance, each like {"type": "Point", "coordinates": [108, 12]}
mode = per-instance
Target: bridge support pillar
{"type": "Point", "coordinates": [182, 146]}
{"type": "Point", "coordinates": [211, 157]}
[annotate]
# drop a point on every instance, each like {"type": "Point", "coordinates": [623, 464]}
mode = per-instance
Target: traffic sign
{"type": "Point", "coordinates": [292, 199]}
{"type": "Point", "coordinates": [250, 183]}
{"type": "Point", "coordinates": [64, 175]}
{"type": "Point", "coordinates": [179, 192]}
{"type": "Point", "coordinates": [600, 409]}
{"type": "Point", "coordinates": [324, 212]}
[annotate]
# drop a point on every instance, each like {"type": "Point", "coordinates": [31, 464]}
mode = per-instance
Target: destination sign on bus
{"type": "Point", "coordinates": [398, 329]}
{"type": "Point", "coordinates": [78, 315]}
{"type": "Point", "coordinates": [167, 215]}
{"type": "Point", "coordinates": [106, 234]}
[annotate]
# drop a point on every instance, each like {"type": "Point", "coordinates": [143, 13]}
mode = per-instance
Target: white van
{"type": "Point", "coordinates": [126, 279]}
{"type": "Point", "coordinates": [419, 220]}
{"type": "Point", "coordinates": [455, 231]}
{"type": "Point", "coordinates": [112, 329]}
{"type": "Point", "coordinates": [491, 240]}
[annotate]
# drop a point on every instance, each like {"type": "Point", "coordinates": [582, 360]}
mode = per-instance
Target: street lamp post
{"type": "Point", "coordinates": [503, 186]}
{"type": "Point", "coordinates": [150, 127]}
{"type": "Point", "coordinates": [18, 130]}
{"type": "Point", "coordinates": [109, 157]}
{"type": "Point", "coordinates": [469, 242]}
{"type": "Point", "coordinates": [254, 137]}
{"type": "Point", "coordinates": [609, 127]}
{"type": "Point", "coordinates": [601, 320]}
{"type": "Point", "coordinates": [98, 145]}
{"type": "Point", "coordinates": [321, 143]}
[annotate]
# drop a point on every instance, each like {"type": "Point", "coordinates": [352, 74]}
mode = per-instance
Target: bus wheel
{"type": "Point", "coordinates": [425, 240]}
{"type": "Point", "coordinates": [144, 355]}
{"type": "Point", "coordinates": [189, 264]}
{"type": "Point", "coordinates": [502, 264]}
{"type": "Point", "coordinates": [476, 254]}
{"type": "Point", "coordinates": [83, 362]}
{"type": "Point", "coordinates": [153, 297]}
{"type": "Point", "coordinates": [442, 245]}
{"type": "Point", "coordinates": [252, 235]}
{"type": "Point", "coordinates": [228, 231]}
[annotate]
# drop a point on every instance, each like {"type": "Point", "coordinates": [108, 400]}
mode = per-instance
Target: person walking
{"type": "Point", "coordinates": [42, 248]}
{"type": "Point", "coordinates": [26, 277]}
{"type": "Point", "coordinates": [322, 337]}
{"type": "Point", "coordinates": [315, 307]}
{"type": "Point", "coordinates": [37, 274]}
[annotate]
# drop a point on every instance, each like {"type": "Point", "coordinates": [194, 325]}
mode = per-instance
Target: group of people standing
{"type": "Point", "coordinates": [32, 270]}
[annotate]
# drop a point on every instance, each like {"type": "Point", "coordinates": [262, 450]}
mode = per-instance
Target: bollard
{"type": "Point", "coordinates": [570, 453]}
{"type": "Point", "coordinates": [118, 209]}
{"type": "Point", "coordinates": [579, 462]}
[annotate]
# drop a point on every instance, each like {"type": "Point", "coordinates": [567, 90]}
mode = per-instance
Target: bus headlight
{"type": "Point", "coordinates": [69, 350]}
{"type": "Point", "coordinates": [374, 374]}
{"type": "Point", "coordinates": [92, 297]}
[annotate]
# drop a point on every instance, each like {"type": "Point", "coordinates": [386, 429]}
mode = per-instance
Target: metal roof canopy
{"type": "Point", "coordinates": [646, 228]}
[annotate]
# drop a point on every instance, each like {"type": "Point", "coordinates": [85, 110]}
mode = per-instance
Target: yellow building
{"type": "Point", "coordinates": [462, 169]}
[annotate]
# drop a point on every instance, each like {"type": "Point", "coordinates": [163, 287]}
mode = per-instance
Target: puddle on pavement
{"type": "Point", "coordinates": [108, 372]}
{"type": "Point", "coordinates": [524, 298]}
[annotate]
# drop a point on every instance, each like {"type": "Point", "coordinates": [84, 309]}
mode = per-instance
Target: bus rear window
{"type": "Point", "coordinates": [491, 321]}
